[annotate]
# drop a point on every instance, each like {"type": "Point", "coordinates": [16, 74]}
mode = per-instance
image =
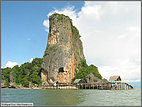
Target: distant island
{"type": "Point", "coordinates": [22, 76]}
{"type": "Point", "coordinates": [63, 61]}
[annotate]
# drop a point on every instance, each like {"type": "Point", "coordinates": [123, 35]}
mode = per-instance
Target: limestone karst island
{"type": "Point", "coordinates": [63, 65]}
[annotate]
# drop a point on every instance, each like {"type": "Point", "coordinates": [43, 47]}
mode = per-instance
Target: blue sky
{"type": "Point", "coordinates": [23, 35]}
{"type": "Point", "coordinates": [110, 33]}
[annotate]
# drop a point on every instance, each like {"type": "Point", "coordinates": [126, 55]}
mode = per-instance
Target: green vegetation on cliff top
{"type": "Point", "coordinates": [60, 18]}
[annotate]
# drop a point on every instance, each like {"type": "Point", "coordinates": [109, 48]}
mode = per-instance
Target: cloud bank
{"type": "Point", "coordinates": [31, 60]}
{"type": "Point", "coordinates": [10, 64]}
{"type": "Point", "coordinates": [110, 32]}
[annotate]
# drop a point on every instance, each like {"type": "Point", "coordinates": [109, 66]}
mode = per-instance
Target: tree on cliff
{"type": "Point", "coordinates": [27, 72]}
{"type": "Point", "coordinates": [5, 75]}
{"type": "Point", "coordinates": [85, 70]}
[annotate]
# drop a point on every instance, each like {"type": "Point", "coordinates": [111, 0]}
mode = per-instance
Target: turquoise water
{"type": "Point", "coordinates": [73, 97]}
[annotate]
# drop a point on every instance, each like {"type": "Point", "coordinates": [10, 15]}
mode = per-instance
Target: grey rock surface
{"type": "Point", "coordinates": [63, 52]}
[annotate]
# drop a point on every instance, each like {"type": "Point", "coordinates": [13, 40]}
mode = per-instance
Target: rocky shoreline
{"type": "Point", "coordinates": [13, 85]}
{"type": "Point", "coordinates": [39, 87]}
{"type": "Point", "coordinates": [65, 87]}
{"type": "Point", "coordinates": [22, 88]}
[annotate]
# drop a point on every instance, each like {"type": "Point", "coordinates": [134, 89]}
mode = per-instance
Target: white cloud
{"type": "Point", "coordinates": [92, 10]}
{"type": "Point", "coordinates": [46, 25]}
{"type": "Point", "coordinates": [110, 32]}
{"type": "Point", "coordinates": [127, 69]}
{"type": "Point", "coordinates": [10, 64]}
{"type": "Point", "coordinates": [29, 39]}
{"type": "Point", "coordinates": [31, 59]}
{"type": "Point", "coordinates": [115, 49]}
{"type": "Point", "coordinates": [130, 81]}
{"type": "Point", "coordinates": [68, 11]}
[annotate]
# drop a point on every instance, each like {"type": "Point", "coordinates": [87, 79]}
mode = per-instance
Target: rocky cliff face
{"type": "Point", "coordinates": [64, 51]}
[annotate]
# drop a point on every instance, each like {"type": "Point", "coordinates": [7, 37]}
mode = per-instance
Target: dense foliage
{"type": "Point", "coordinates": [84, 70]}
{"type": "Point", "coordinates": [27, 72]}
{"type": "Point", "coordinates": [5, 74]}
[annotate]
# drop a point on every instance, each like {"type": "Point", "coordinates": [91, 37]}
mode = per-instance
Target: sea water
{"type": "Point", "coordinates": [84, 97]}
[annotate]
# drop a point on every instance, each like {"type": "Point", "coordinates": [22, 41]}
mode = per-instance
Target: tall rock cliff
{"type": "Point", "coordinates": [64, 51]}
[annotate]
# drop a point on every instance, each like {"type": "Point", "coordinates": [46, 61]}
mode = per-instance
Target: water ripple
{"type": "Point", "coordinates": [74, 97]}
